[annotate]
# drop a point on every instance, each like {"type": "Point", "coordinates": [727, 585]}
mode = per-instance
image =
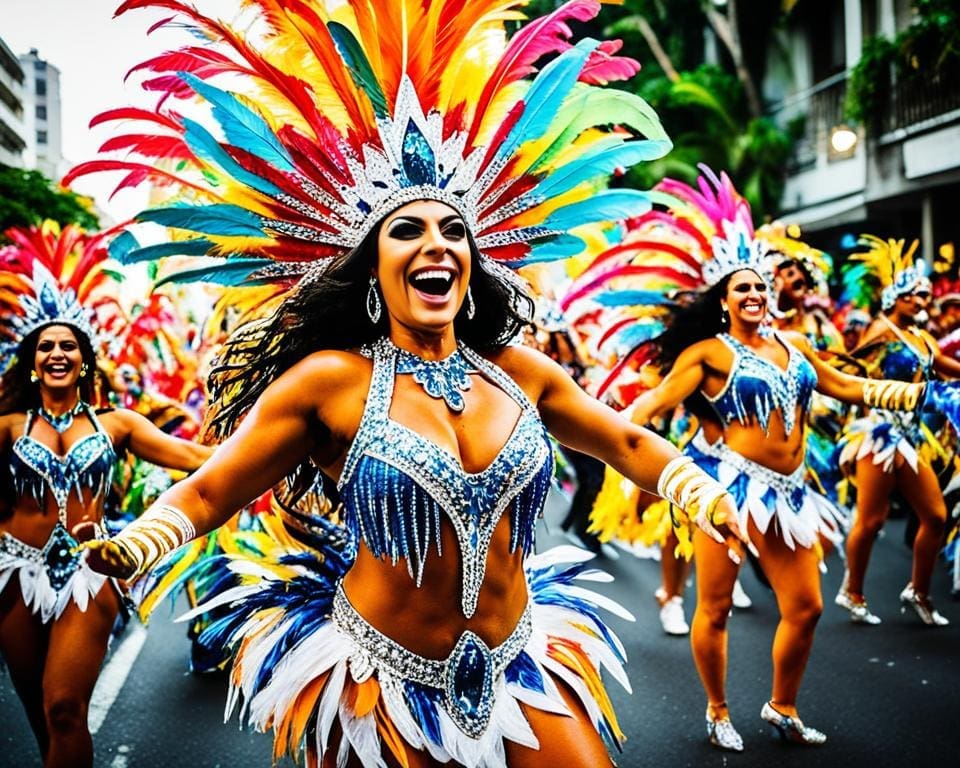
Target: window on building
{"type": "Point", "coordinates": [39, 66]}
{"type": "Point", "coordinates": [41, 89]}
{"type": "Point", "coordinates": [41, 112]}
{"type": "Point", "coordinates": [41, 137]}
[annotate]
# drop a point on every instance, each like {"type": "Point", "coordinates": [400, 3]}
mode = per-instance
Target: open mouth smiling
{"type": "Point", "coordinates": [433, 282]}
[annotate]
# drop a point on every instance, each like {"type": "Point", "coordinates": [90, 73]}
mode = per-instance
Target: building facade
{"type": "Point", "coordinates": [902, 178]}
{"type": "Point", "coordinates": [13, 137]}
{"type": "Point", "coordinates": [42, 116]}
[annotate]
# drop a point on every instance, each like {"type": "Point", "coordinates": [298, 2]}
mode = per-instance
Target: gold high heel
{"type": "Point", "coordinates": [792, 728]}
{"type": "Point", "coordinates": [923, 607]}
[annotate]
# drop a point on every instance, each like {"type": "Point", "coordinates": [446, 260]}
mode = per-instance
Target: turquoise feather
{"type": "Point", "coordinates": [223, 219]}
{"type": "Point", "coordinates": [195, 247]}
{"type": "Point", "coordinates": [610, 205]}
{"type": "Point", "coordinates": [205, 146]}
{"type": "Point", "coordinates": [548, 91]}
{"type": "Point", "coordinates": [230, 273]}
{"type": "Point", "coordinates": [241, 126]}
{"type": "Point", "coordinates": [602, 160]}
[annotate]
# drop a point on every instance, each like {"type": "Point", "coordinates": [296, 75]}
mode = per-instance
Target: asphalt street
{"type": "Point", "coordinates": [885, 696]}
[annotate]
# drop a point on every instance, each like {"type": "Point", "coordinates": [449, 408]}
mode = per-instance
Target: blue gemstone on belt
{"type": "Point", "coordinates": [58, 557]}
{"type": "Point", "coordinates": [470, 684]}
{"type": "Point", "coordinates": [468, 679]}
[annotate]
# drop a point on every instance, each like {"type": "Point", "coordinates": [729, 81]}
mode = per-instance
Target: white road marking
{"type": "Point", "coordinates": [114, 675]}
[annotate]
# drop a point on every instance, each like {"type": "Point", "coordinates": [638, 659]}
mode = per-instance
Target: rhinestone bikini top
{"type": "Point", "coordinates": [395, 483]}
{"type": "Point", "coordinates": [89, 463]}
{"type": "Point", "coordinates": [756, 387]}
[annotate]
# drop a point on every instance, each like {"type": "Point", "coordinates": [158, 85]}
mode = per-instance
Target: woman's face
{"type": "Point", "coordinates": [423, 266]}
{"type": "Point", "coordinates": [58, 357]}
{"type": "Point", "coordinates": [913, 306]}
{"type": "Point", "coordinates": [746, 298]}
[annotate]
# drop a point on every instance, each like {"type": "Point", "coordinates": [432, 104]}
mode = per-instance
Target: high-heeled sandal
{"type": "Point", "coordinates": [792, 728]}
{"type": "Point", "coordinates": [722, 734]}
{"type": "Point", "coordinates": [923, 607]}
{"type": "Point", "coordinates": [859, 613]}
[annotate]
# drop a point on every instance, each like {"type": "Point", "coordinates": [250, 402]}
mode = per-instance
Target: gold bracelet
{"type": "Point", "coordinates": [892, 395]}
{"type": "Point", "coordinates": [159, 531]}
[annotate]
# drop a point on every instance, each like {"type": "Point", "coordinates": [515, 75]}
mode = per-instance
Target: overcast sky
{"type": "Point", "coordinates": [93, 51]}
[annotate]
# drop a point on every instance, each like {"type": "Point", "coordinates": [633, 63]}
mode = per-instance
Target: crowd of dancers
{"type": "Point", "coordinates": [421, 307]}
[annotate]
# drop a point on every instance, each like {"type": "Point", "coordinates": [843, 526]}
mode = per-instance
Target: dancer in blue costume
{"type": "Point", "coordinates": [434, 154]}
{"type": "Point", "coordinates": [56, 614]}
{"type": "Point", "coordinates": [887, 451]}
{"type": "Point", "coordinates": [723, 359]}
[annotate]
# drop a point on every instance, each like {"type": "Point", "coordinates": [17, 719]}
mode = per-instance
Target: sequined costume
{"type": "Point", "coordinates": [755, 389]}
{"type": "Point", "coordinates": [52, 576]}
{"type": "Point", "coordinates": [308, 654]}
{"type": "Point", "coordinates": [883, 434]}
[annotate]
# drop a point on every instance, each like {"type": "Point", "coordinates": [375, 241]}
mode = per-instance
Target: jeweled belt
{"type": "Point", "coordinates": [58, 555]}
{"type": "Point", "coordinates": [466, 676]}
{"type": "Point", "coordinates": [792, 487]}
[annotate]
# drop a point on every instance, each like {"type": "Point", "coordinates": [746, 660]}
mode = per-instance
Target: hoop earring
{"type": "Point", "coordinates": [84, 370]}
{"type": "Point", "coordinates": [34, 377]}
{"type": "Point", "coordinates": [471, 307]}
{"type": "Point", "coordinates": [724, 316]}
{"type": "Point", "coordinates": [373, 301]}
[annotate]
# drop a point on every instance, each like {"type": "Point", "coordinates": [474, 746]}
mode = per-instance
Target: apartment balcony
{"type": "Point", "coordinates": [826, 174]}
{"type": "Point", "coordinates": [920, 104]}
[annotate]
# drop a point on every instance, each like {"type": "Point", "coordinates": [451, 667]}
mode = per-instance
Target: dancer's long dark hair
{"type": "Point", "coordinates": [331, 313]}
{"type": "Point", "coordinates": [701, 319]}
{"type": "Point", "coordinates": [19, 394]}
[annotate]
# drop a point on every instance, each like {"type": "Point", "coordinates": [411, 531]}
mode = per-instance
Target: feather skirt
{"type": "Point", "coordinates": [297, 673]}
{"type": "Point", "coordinates": [799, 514]}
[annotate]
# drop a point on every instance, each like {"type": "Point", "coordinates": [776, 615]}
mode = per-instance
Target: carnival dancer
{"type": "Point", "coordinates": [56, 614]}
{"type": "Point", "coordinates": [887, 450]}
{"type": "Point", "coordinates": [420, 161]}
{"type": "Point", "coordinates": [800, 282]}
{"type": "Point", "coordinates": [721, 357]}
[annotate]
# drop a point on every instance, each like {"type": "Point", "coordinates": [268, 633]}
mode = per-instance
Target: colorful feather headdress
{"type": "Point", "coordinates": [889, 265]}
{"type": "Point", "coordinates": [702, 235]}
{"type": "Point", "coordinates": [343, 111]}
{"type": "Point", "coordinates": [783, 243]}
{"type": "Point", "coordinates": [50, 276]}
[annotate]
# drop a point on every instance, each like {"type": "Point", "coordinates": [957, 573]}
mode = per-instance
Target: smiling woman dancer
{"type": "Point", "coordinates": [758, 384]}
{"type": "Point", "coordinates": [390, 368]}
{"type": "Point", "coordinates": [56, 614]}
{"type": "Point", "coordinates": [887, 451]}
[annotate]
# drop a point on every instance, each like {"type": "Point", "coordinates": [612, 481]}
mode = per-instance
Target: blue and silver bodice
{"type": "Point", "coordinates": [396, 484]}
{"type": "Point", "coordinates": [902, 361]}
{"type": "Point", "coordinates": [756, 387]}
{"type": "Point", "coordinates": [89, 463]}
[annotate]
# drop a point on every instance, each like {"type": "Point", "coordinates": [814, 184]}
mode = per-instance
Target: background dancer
{"type": "Point", "coordinates": [888, 451]}
{"type": "Point", "coordinates": [56, 614]}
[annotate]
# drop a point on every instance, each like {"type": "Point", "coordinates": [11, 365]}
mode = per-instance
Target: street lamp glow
{"type": "Point", "coordinates": [843, 139]}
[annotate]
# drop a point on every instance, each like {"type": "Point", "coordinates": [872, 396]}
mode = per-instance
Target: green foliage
{"type": "Point", "coordinates": [28, 197]}
{"type": "Point", "coordinates": [930, 46]}
{"type": "Point", "coordinates": [707, 118]}
{"type": "Point", "coordinates": [868, 86]}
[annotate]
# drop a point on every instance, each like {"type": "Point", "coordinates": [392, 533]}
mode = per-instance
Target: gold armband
{"type": "Point", "coordinates": [688, 487]}
{"type": "Point", "coordinates": [159, 531]}
{"type": "Point", "coordinates": [892, 395]}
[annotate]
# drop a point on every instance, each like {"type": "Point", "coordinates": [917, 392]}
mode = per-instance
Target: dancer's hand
{"type": "Point", "coordinates": [104, 555]}
{"type": "Point", "coordinates": [725, 513]}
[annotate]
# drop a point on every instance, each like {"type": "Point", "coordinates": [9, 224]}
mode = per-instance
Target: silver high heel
{"type": "Point", "coordinates": [859, 613]}
{"type": "Point", "coordinates": [791, 728]}
{"type": "Point", "coordinates": [923, 607]}
{"type": "Point", "coordinates": [722, 734]}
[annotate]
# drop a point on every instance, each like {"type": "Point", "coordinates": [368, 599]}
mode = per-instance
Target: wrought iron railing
{"type": "Point", "coordinates": [919, 99]}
